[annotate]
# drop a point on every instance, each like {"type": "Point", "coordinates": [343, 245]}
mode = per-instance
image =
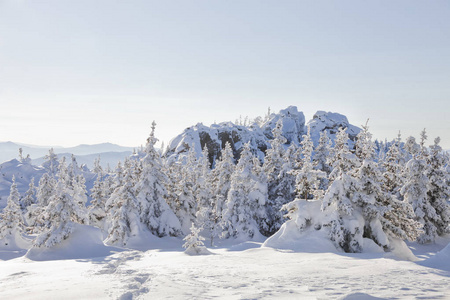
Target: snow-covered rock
{"type": "Point", "coordinates": [330, 122]}
{"type": "Point", "coordinates": [215, 138]}
{"type": "Point", "coordinates": [293, 124]}
{"type": "Point", "coordinates": [259, 135]}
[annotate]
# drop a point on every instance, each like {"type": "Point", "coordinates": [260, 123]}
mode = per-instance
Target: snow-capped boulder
{"type": "Point", "coordinates": [215, 138]}
{"type": "Point", "coordinates": [293, 124]}
{"type": "Point", "coordinates": [330, 122]}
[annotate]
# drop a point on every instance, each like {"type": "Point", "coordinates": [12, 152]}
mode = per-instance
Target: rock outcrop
{"type": "Point", "coordinates": [259, 134]}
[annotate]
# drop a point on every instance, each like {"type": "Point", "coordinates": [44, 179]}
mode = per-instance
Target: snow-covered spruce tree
{"type": "Point", "coordinates": [415, 192]}
{"type": "Point", "coordinates": [97, 207]}
{"type": "Point", "coordinates": [124, 219]}
{"type": "Point", "coordinates": [307, 182]}
{"type": "Point", "coordinates": [35, 216]}
{"type": "Point", "coordinates": [65, 208]}
{"type": "Point", "coordinates": [185, 191]}
{"type": "Point", "coordinates": [51, 162]}
{"type": "Point", "coordinates": [343, 223]}
{"type": "Point", "coordinates": [245, 202]}
{"type": "Point", "coordinates": [385, 217]}
{"type": "Point", "coordinates": [29, 197]}
{"type": "Point", "coordinates": [423, 149]}
{"type": "Point", "coordinates": [221, 178]}
{"type": "Point", "coordinates": [155, 212]}
{"type": "Point", "coordinates": [438, 192]}
{"type": "Point", "coordinates": [411, 147]}
{"type": "Point", "coordinates": [321, 158]}
{"type": "Point", "coordinates": [393, 165]}
{"type": "Point", "coordinates": [206, 216]}
{"type": "Point", "coordinates": [28, 205]}
{"type": "Point", "coordinates": [281, 183]}
{"type": "Point", "coordinates": [194, 242]}
{"type": "Point", "coordinates": [11, 219]}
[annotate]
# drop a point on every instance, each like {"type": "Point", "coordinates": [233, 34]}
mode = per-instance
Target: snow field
{"type": "Point", "coordinates": [257, 273]}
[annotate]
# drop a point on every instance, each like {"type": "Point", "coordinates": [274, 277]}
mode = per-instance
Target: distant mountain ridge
{"type": "Point", "coordinates": [10, 150]}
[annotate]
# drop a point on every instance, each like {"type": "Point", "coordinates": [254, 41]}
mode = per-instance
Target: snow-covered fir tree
{"type": "Point", "coordinates": [438, 191]}
{"type": "Point", "coordinates": [307, 182]}
{"type": "Point", "coordinates": [185, 207]}
{"type": "Point", "coordinates": [97, 207]}
{"type": "Point", "coordinates": [124, 219]}
{"type": "Point", "coordinates": [320, 158]}
{"type": "Point", "coordinates": [221, 178]}
{"type": "Point", "coordinates": [194, 242]}
{"type": "Point", "coordinates": [206, 216]}
{"type": "Point", "coordinates": [11, 219]}
{"type": "Point", "coordinates": [385, 217]}
{"type": "Point", "coordinates": [393, 165]}
{"type": "Point", "coordinates": [30, 196]}
{"type": "Point", "coordinates": [415, 192]}
{"type": "Point", "coordinates": [344, 227]}
{"type": "Point", "coordinates": [155, 212]}
{"type": "Point", "coordinates": [280, 180]}
{"type": "Point", "coordinates": [51, 162]}
{"type": "Point", "coordinates": [411, 148]}
{"type": "Point", "coordinates": [244, 207]}
{"type": "Point", "coordinates": [65, 208]}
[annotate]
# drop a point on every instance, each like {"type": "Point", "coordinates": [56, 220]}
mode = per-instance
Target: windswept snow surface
{"type": "Point", "coordinates": [249, 273]}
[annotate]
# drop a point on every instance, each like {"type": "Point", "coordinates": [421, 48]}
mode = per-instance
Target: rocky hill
{"type": "Point", "coordinates": [258, 133]}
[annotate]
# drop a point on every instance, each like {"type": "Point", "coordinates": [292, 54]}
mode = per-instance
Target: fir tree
{"type": "Point", "coordinates": [194, 242]}
{"type": "Point", "coordinates": [51, 162]}
{"type": "Point", "coordinates": [11, 219]}
{"type": "Point", "coordinates": [155, 212]}
{"type": "Point", "coordinates": [185, 190]}
{"type": "Point", "coordinates": [29, 197]}
{"type": "Point", "coordinates": [281, 183]}
{"type": "Point", "coordinates": [206, 215]}
{"type": "Point", "coordinates": [393, 166]}
{"type": "Point", "coordinates": [97, 208]}
{"type": "Point", "coordinates": [221, 177]}
{"type": "Point", "coordinates": [245, 202]}
{"type": "Point", "coordinates": [415, 192]}
{"type": "Point", "coordinates": [124, 215]}
{"type": "Point", "coordinates": [321, 158]}
{"type": "Point", "coordinates": [62, 212]}
{"type": "Point", "coordinates": [438, 192]}
{"type": "Point", "coordinates": [307, 178]}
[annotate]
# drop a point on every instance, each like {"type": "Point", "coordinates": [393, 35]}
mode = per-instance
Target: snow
{"type": "Point", "coordinates": [84, 242]}
{"type": "Point", "coordinates": [249, 273]}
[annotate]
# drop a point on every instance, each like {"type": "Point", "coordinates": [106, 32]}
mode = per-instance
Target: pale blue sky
{"type": "Point", "coordinates": [90, 71]}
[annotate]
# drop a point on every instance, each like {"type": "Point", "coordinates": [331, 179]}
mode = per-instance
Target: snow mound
{"type": "Point", "coordinates": [145, 241]}
{"type": "Point", "coordinates": [359, 296]}
{"type": "Point", "coordinates": [439, 261]}
{"type": "Point", "coordinates": [197, 251]}
{"type": "Point", "coordinates": [84, 242]}
{"type": "Point", "coordinates": [400, 250]}
{"type": "Point", "coordinates": [289, 237]}
{"type": "Point", "coordinates": [12, 247]}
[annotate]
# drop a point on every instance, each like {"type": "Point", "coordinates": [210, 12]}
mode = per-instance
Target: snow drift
{"type": "Point", "coordinates": [84, 242]}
